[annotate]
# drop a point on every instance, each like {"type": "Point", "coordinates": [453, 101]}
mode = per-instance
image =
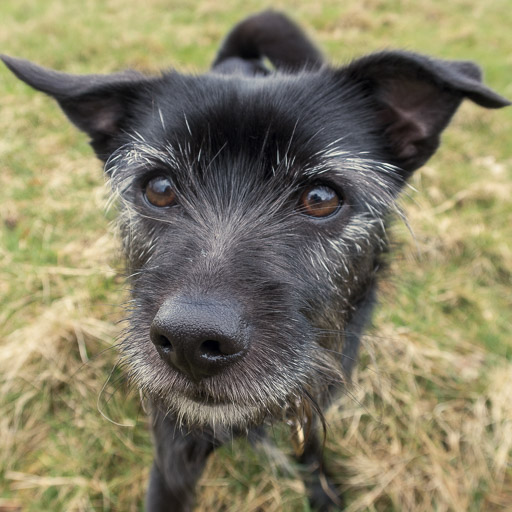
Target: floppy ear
{"type": "Point", "coordinates": [415, 98]}
{"type": "Point", "coordinates": [100, 105]}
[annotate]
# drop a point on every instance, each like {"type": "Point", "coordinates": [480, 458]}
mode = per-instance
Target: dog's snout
{"type": "Point", "coordinates": [199, 337]}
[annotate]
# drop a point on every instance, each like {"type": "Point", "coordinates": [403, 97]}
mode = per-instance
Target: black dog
{"type": "Point", "coordinates": [253, 205]}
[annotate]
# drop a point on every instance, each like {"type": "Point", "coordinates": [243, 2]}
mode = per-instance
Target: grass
{"type": "Point", "coordinates": [428, 422]}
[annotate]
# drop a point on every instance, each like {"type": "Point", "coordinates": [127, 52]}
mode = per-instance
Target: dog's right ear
{"type": "Point", "coordinates": [414, 98]}
{"type": "Point", "coordinates": [100, 105]}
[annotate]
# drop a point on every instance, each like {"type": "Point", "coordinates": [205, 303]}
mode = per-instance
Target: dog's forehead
{"type": "Point", "coordinates": [248, 112]}
{"type": "Point", "coordinates": [261, 121]}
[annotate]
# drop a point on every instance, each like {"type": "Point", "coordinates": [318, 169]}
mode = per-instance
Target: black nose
{"type": "Point", "coordinates": [199, 337]}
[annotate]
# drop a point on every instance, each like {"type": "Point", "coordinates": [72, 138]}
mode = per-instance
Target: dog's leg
{"type": "Point", "coordinates": [179, 462]}
{"type": "Point", "coordinates": [322, 494]}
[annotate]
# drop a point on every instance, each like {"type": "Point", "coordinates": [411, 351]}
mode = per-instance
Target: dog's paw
{"type": "Point", "coordinates": [322, 493]}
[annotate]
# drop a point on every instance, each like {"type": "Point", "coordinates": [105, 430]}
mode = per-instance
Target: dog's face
{"type": "Point", "coordinates": [255, 217]}
{"type": "Point", "coordinates": [252, 212]}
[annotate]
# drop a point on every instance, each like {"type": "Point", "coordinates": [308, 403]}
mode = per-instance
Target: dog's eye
{"type": "Point", "coordinates": [159, 192]}
{"type": "Point", "coordinates": [319, 201]}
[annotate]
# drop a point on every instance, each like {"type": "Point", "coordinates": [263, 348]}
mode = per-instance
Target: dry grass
{"type": "Point", "coordinates": [432, 433]}
{"type": "Point", "coordinates": [427, 424]}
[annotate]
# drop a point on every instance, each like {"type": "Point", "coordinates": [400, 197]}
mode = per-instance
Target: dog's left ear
{"type": "Point", "coordinates": [100, 105]}
{"type": "Point", "coordinates": [415, 97]}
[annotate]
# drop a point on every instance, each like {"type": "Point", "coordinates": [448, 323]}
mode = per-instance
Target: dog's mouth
{"type": "Point", "coordinates": [202, 397]}
{"type": "Point", "coordinates": [220, 401]}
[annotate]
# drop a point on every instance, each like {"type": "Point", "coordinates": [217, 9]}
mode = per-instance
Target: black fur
{"type": "Point", "coordinates": [247, 307]}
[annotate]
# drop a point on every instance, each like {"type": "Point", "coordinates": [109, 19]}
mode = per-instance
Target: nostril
{"type": "Point", "coordinates": [163, 342]}
{"type": "Point", "coordinates": [211, 348]}
{"type": "Point", "coordinates": [159, 339]}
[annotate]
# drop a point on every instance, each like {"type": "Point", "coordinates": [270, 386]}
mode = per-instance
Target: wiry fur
{"type": "Point", "coordinates": [240, 145]}
{"type": "Point", "coordinates": [238, 227]}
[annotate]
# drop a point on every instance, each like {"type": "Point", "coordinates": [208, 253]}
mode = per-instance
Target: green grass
{"type": "Point", "coordinates": [428, 423]}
